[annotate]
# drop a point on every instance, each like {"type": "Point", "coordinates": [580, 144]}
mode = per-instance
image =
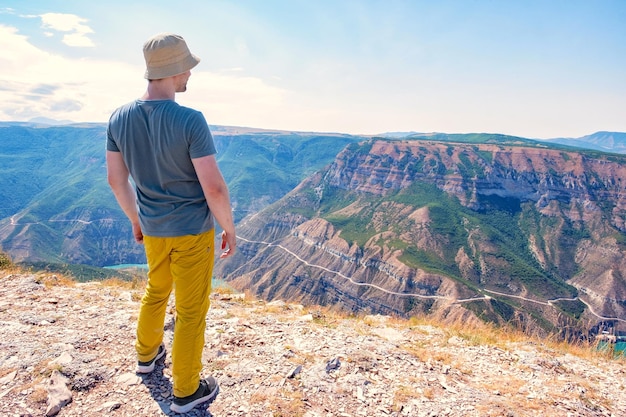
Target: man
{"type": "Point", "coordinates": [179, 190]}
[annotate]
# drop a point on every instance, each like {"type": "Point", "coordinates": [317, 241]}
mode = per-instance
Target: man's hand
{"type": "Point", "coordinates": [229, 244]}
{"type": "Point", "coordinates": [137, 233]}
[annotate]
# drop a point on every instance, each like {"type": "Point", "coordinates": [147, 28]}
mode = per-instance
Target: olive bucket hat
{"type": "Point", "coordinates": [167, 55]}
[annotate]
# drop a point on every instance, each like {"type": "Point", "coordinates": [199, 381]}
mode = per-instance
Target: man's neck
{"type": "Point", "coordinates": [160, 90]}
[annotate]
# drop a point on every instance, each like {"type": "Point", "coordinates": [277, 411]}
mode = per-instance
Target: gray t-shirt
{"type": "Point", "coordinates": [158, 139]}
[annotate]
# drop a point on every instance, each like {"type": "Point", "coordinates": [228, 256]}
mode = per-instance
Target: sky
{"type": "Point", "coordinates": [536, 69]}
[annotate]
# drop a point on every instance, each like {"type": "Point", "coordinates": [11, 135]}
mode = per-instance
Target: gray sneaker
{"type": "Point", "coordinates": [147, 367]}
{"type": "Point", "coordinates": [206, 392]}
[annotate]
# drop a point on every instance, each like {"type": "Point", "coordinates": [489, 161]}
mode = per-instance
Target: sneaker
{"type": "Point", "coordinates": [147, 367]}
{"type": "Point", "coordinates": [207, 391]}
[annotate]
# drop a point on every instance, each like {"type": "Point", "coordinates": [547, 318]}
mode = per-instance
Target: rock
{"type": "Point", "coordinates": [294, 372]}
{"type": "Point", "coordinates": [64, 359]}
{"type": "Point", "coordinates": [389, 334]}
{"type": "Point", "coordinates": [8, 378]}
{"type": "Point", "coordinates": [306, 317]}
{"type": "Point", "coordinates": [128, 379]}
{"type": "Point", "coordinates": [110, 406]}
{"type": "Point", "coordinates": [231, 297]}
{"type": "Point", "coordinates": [333, 364]}
{"type": "Point", "coordinates": [277, 303]}
{"type": "Point", "coordinates": [58, 394]}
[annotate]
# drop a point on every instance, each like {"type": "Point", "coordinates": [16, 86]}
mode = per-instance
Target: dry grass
{"type": "Point", "coordinates": [286, 407]}
{"type": "Point", "coordinates": [487, 334]}
{"type": "Point", "coordinates": [283, 402]}
{"type": "Point", "coordinates": [403, 394]}
{"type": "Point", "coordinates": [326, 316]}
{"type": "Point", "coordinates": [222, 290]}
{"type": "Point", "coordinates": [55, 280]}
{"type": "Point", "coordinates": [590, 395]}
{"type": "Point", "coordinates": [216, 364]}
{"type": "Point", "coordinates": [37, 392]}
{"type": "Point", "coordinates": [508, 386]}
{"type": "Point", "coordinates": [39, 395]}
{"type": "Point", "coordinates": [429, 392]}
{"type": "Point", "coordinates": [585, 349]}
{"type": "Point", "coordinates": [137, 283]}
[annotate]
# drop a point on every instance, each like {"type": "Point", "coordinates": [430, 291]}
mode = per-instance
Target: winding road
{"type": "Point", "coordinates": [399, 294]}
{"type": "Point", "coordinates": [452, 300]}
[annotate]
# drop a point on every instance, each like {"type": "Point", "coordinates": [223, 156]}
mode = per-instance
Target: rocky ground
{"type": "Point", "coordinates": [67, 349]}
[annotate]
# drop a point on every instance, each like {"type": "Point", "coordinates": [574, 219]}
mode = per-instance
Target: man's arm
{"type": "Point", "coordinates": [218, 199]}
{"type": "Point", "coordinates": [118, 178]}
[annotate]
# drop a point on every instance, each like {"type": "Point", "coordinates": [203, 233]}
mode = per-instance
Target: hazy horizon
{"type": "Point", "coordinates": [522, 68]}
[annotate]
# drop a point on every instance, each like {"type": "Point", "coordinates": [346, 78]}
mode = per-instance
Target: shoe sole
{"type": "Point", "coordinates": [142, 369]}
{"type": "Point", "coordinates": [188, 407]}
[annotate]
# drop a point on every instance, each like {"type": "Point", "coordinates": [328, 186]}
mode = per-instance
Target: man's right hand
{"type": "Point", "coordinates": [137, 233]}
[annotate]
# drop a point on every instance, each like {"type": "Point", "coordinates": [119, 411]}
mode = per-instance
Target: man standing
{"type": "Point", "coordinates": [179, 190]}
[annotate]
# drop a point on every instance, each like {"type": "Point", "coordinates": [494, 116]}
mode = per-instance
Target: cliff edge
{"type": "Point", "coordinates": [67, 349]}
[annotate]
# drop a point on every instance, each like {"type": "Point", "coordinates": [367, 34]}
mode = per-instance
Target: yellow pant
{"type": "Point", "coordinates": [185, 263]}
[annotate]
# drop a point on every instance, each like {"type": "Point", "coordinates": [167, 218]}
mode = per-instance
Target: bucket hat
{"type": "Point", "coordinates": [166, 55]}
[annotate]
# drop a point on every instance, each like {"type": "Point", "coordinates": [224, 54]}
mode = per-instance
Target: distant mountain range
{"type": "Point", "coordinates": [601, 141]}
{"type": "Point", "coordinates": [473, 226]}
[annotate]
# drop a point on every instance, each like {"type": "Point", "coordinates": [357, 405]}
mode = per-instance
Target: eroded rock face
{"type": "Point", "coordinates": [468, 172]}
{"type": "Point", "coordinates": [407, 227]}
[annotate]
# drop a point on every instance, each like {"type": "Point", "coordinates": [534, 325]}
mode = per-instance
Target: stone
{"type": "Point", "coordinates": [64, 359]}
{"type": "Point", "coordinates": [333, 364]}
{"type": "Point", "coordinates": [128, 379]}
{"type": "Point", "coordinates": [59, 394]}
{"type": "Point", "coordinates": [8, 378]}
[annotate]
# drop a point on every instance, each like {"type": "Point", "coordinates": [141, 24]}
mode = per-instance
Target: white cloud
{"type": "Point", "coordinates": [77, 39]}
{"type": "Point", "coordinates": [63, 22]}
{"type": "Point", "coordinates": [38, 83]}
{"type": "Point", "coordinates": [232, 99]}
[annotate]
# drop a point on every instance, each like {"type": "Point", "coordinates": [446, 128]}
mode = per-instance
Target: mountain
{"type": "Point", "coordinates": [602, 141]}
{"type": "Point", "coordinates": [56, 203]}
{"type": "Point", "coordinates": [472, 227]}
{"type": "Point", "coordinates": [261, 166]}
{"type": "Point", "coordinates": [50, 122]}
{"type": "Point", "coordinates": [497, 232]}
{"type": "Point", "coordinates": [57, 206]}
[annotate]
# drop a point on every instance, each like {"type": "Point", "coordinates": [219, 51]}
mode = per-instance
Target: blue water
{"type": "Point", "coordinates": [128, 266]}
{"type": "Point", "coordinates": [619, 348]}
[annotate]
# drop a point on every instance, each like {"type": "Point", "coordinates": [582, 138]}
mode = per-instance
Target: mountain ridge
{"type": "Point", "coordinates": [447, 219]}
{"type": "Point", "coordinates": [447, 227]}
{"type": "Point", "coordinates": [617, 140]}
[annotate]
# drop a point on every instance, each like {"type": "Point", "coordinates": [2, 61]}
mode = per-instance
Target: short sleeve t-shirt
{"type": "Point", "coordinates": [157, 140]}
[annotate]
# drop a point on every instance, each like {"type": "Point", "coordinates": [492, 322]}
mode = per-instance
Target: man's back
{"type": "Point", "coordinates": [158, 139]}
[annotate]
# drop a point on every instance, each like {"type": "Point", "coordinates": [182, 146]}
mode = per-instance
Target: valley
{"type": "Point", "coordinates": [479, 227]}
{"type": "Point", "coordinates": [485, 297]}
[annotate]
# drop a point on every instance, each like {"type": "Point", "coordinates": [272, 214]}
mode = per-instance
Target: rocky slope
{"type": "Point", "coordinates": [502, 233]}
{"type": "Point", "coordinates": [67, 349]}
